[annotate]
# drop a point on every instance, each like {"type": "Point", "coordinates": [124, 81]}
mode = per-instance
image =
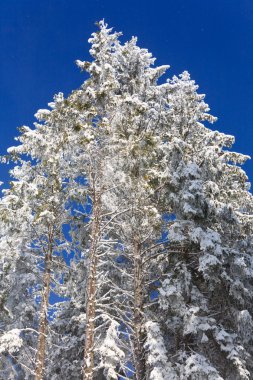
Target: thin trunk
{"type": "Point", "coordinates": [88, 368]}
{"type": "Point", "coordinates": [139, 334]}
{"type": "Point", "coordinates": [41, 352]}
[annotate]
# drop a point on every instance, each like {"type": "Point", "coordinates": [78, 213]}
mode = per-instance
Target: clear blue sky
{"type": "Point", "coordinates": [212, 39]}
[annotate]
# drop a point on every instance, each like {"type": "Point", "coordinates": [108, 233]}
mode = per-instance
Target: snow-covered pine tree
{"type": "Point", "coordinates": [34, 212]}
{"type": "Point", "coordinates": [100, 92]}
{"type": "Point", "coordinates": [156, 213]}
{"type": "Point", "coordinates": [206, 295]}
{"type": "Point", "coordinates": [136, 135]}
{"type": "Point", "coordinates": [38, 208]}
{"type": "Point", "coordinates": [90, 153]}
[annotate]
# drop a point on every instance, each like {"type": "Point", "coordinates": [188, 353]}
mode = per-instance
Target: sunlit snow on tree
{"type": "Point", "coordinates": [126, 232]}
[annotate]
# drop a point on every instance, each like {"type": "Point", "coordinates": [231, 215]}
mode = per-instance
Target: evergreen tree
{"type": "Point", "coordinates": [138, 216]}
{"type": "Point", "coordinates": [206, 290]}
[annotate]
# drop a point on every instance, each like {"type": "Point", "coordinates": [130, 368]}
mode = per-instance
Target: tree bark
{"type": "Point", "coordinates": [88, 368]}
{"type": "Point", "coordinates": [43, 326]}
{"type": "Point", "coordinates": [139, 334]}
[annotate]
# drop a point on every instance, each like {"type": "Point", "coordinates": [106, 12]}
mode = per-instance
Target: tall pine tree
{"type": "Point", "coordinates": [138, 216]}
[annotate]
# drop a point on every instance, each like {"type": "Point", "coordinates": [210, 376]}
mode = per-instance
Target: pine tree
{"type": "Point", "coordinates": [37, 212]}
{"type": "Point", "coordinates": [205, 290]}
{"type": "Point", "coordinates": [138, 216]}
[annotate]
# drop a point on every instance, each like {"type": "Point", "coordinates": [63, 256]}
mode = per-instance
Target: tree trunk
{"type": "Point", "coordinates": [41, 352]}
{"type": "Point", "coordinates": [88, 368]}
{"type": "Point", "coordinates": [139, 334]}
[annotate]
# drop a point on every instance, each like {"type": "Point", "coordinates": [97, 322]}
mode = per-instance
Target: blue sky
{"type": "Point", "coordinates": [213, 40]}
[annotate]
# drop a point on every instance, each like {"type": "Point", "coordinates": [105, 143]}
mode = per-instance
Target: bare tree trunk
{"type": "Point", "coordinates": [88, 368]}
{"type": "Point", "coordinates": [41, 351]}
{"type": "Point", "coordinates": [138, 332]}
